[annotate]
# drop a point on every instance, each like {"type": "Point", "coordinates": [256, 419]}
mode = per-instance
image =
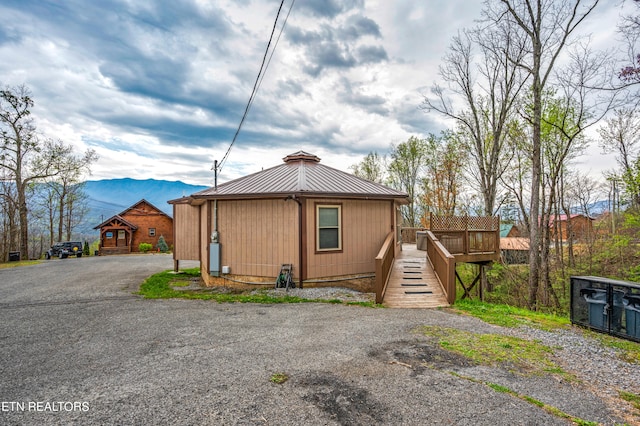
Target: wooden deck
{"type": "Point", "coordinates": [412, 283]}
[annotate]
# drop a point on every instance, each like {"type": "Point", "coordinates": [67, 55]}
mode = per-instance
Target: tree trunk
{"type": "Point", "coordinates": [534, 252]}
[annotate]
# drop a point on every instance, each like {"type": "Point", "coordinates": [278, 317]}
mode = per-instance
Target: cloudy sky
{"type": "Point", "coordinates": [158, 88]}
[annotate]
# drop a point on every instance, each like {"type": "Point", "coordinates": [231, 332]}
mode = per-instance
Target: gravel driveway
{"type": "Point", "coordinates": [77, 347]}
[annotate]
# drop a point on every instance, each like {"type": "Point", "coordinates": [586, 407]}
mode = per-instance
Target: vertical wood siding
{"type": "Point", "coordinates": [365, 225]}
{"type": "Point", "coordinates": [187, 232]}
{"type": "Point", "coordinates": [258, 236]}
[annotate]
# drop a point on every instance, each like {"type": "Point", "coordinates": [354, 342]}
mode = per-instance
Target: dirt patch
{"type": "Point", "coordinates": [420, 356]}
{"type": "Point", "coordinates": [344, 403]}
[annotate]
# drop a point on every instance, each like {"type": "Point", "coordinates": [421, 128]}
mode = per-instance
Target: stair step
{"type": "Point", "coordinates": [418, 292]}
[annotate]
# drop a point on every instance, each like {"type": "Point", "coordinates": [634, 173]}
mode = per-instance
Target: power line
{"type": "Point", "coordinates": [275, 45]}
{"type": "Point", "coordinates": [263, 69]}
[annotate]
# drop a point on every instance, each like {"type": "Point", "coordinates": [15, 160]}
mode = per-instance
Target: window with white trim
{"type": "Point", "coordinates": [328, 227]}
{"type": "Point", "coordinates": [152, 232]}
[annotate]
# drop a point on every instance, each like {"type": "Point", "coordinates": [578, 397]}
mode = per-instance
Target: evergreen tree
{"type": "Point", "coordinates": [162, 245]}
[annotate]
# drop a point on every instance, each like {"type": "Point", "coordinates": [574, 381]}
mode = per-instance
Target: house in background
{"type": "Point", "coordinates": [509, 230]}
{"type": "Point", "coordinates": [140, 223]}
{"type": "Point", "coordinates": [514, 250]}
{"type": "Point", "coordinates": [513, 247]}
{"type": "Point", "coordinates": [330, 225]}
{"type": "Point", "coordinates": [579, 228]}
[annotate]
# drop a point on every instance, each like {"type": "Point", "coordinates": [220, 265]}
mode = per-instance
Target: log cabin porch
{"type": "Point", "coordinates": [116, 236]}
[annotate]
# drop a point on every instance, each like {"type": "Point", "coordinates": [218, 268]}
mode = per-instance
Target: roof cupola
{"type": "Point", "coordinates": [301, 156]}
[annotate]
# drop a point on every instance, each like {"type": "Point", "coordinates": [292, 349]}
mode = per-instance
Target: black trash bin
{"type": "Point", "coordinates": [14, 256]}
{"type": "Point", "coordinates": [599, 309]}
{"type": "Point", "coordinates": [632, 314]}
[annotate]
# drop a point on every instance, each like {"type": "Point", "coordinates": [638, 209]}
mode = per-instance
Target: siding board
{"type": "Point", "coordinates": [257, 235]}
{"type": "Point", "coordinates": [187, 232]}
{"type": "Point", "coordinates": [366, 223]}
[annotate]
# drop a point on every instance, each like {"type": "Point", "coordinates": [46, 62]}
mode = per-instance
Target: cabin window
{"type": "Point", "coordinates": [152, 232]}
{"type": "Point", "coordinates": [328, 227]}
{"type": "Point", "coordinates": [121, 234]}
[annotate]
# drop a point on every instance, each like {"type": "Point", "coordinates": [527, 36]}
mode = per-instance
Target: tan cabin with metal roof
{"type": "Point", "coordinates": [328, 224]}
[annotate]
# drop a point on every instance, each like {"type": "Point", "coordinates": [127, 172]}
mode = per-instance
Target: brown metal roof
{"type": "Point", "coordinates": [300, 174]}
{"type": "Point", "coordinates": [514, 243]}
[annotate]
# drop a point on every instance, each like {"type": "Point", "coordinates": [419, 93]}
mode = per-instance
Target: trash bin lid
{"type": "Point", "coordinates": [632, 302]}
{"type": "Point", "coordinates": [590, 291]}
{"type": "Point", "coordinates": [632, 298]}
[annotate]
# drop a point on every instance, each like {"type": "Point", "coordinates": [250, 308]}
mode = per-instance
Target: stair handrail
{"type": "Point", "coordinates": [444, 265]}
{"type": "Point", "coordinates": [384, 262]}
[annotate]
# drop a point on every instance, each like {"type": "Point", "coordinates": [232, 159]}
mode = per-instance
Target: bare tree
{"type": "Point", "coordinates": [443, 173]}
{"type": "Point", "coordinates": [547, 26]}
{"type": "Point", "coordinates": [372, 168]}
{"type": "Point", "coordinates": [621, 134]}
{"type": "Point", "coordinates": [405, 170]}
{"type": "Point", "coordinates": [25, 158]}
{"type": "Point", "coordinates": [489, 90]}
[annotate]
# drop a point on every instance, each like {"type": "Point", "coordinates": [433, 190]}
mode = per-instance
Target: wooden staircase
{"type": "Point", "coordinates": [413, 283]}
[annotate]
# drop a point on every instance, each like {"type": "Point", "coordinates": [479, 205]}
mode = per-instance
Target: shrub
{"type": "Point", "coordinates": [162, 245]}
{"type": "Point", "coordinates": [145, 247]}
{"type": "Point", "coordinates": [85, 249]}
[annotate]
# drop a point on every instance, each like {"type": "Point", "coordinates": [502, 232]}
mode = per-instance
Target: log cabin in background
{"type": "Point", "coordinates": [576, 227]}
{"type": "Point", "coordinates": [140, 223]}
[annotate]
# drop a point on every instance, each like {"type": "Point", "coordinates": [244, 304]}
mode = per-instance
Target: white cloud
{"type": "Point", "coordinates": [158, 88]}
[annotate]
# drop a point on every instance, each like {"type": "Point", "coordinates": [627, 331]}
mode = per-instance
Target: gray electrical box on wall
{"type": "Point", "coordinates": [214, 259]}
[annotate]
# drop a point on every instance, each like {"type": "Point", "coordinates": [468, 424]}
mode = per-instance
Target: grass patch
{"type": "Point", "coordinates": [627, 350]}
{"type": "Point", "coordinates": [528, 357]}
{"type": "Point", "coordinates": [279, 378]}
{"type": "Point", "coordinates": [6, 265]}
{"type": "Point", "coordinates": [548, 408]}
{"type": "Point", "coordinates": [510, 316]}
{"type": "Point", "coordinates": [499, 388]}
{"type": "Point", "coordinates": [633, 398]}
{"type": "Point", "coordinates": [161, 286]}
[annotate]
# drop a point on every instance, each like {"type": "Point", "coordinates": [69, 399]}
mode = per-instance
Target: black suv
{"type": "Point", "coordinates": [64, 250]}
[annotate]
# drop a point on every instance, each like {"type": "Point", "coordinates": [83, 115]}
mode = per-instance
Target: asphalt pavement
{"type": "Point", "coordinates": [77, 347]}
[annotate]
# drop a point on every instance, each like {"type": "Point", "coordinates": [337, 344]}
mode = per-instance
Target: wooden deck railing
{"type": "Point", "coordinates": [467, 235]}
{"type": "Point", "coordinates": [469, 241]}
{"type": "Point", "coordinates": [409, 235]}
{"type": "Point", "coordinates": [384, 262]}
{"type": "Point", "coordinates": [454, 239]}
{"type": "Point", "coordinates": [443, 264]}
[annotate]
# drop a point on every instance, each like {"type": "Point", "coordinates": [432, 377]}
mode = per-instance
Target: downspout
{"type": "Point", "coordinates": [297, 200]}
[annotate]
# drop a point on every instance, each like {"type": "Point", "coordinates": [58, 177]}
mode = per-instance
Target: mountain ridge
{"type": "Point", "coordinates": [108, 197]}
